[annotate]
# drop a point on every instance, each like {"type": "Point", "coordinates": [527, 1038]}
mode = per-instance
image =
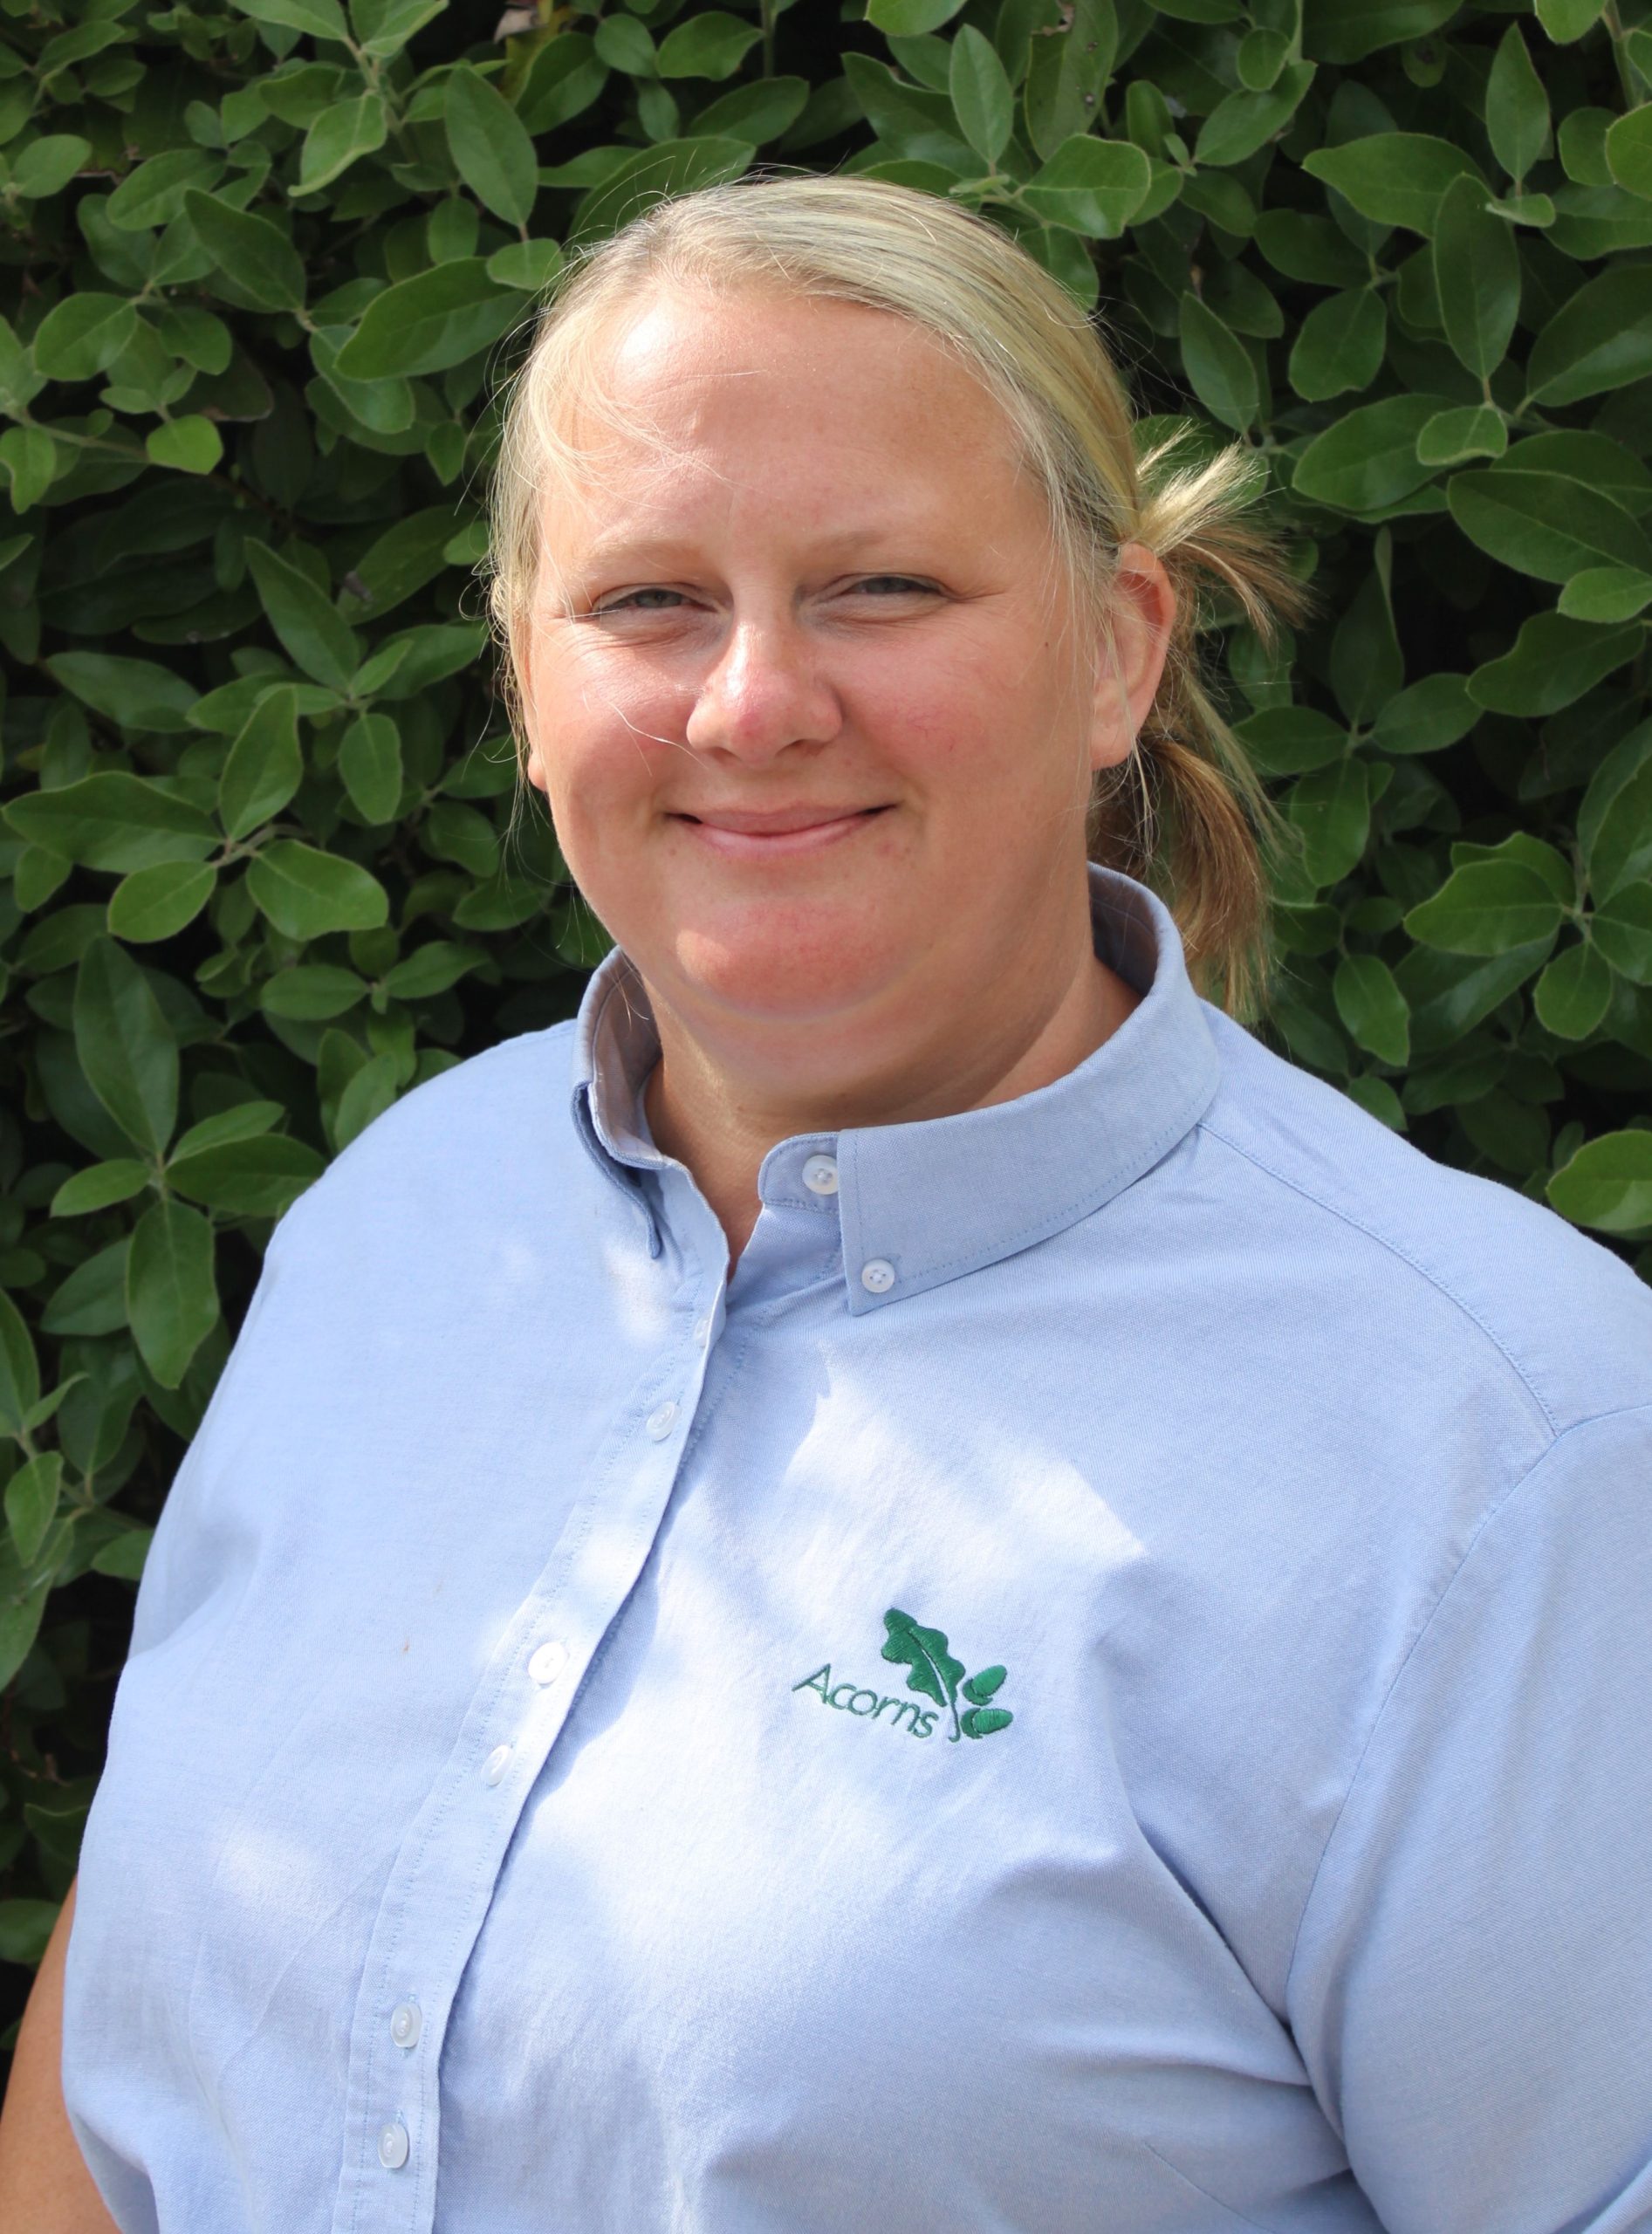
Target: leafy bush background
{"type": "Point", "coordinates": [261, 264]}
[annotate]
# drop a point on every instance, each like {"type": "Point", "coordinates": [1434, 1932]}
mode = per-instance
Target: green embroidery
{"type": "Point", "coordinates": [938, 1676]}
{"type": "Point", "coordinates": [934, 1673]}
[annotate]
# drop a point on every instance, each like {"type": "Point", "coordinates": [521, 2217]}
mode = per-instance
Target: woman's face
{"type": "Point", "coordinates": [813, 742]}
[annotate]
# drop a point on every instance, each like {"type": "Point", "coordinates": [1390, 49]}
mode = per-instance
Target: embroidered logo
{"type": "Point", "coordinates": [933, 1672]}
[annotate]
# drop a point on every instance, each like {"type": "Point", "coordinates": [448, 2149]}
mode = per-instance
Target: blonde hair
{"type": "Point", "coordinates": [1186, 810]}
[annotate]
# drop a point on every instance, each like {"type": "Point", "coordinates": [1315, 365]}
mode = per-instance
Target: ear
{"type": "Point", "coordinates": [1130, 653]}
{"type": "Point", "coordinates": [532, 760]}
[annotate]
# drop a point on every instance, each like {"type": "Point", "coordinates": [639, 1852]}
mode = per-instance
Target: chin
{"type": "Point", "coordinates": [788, 964]}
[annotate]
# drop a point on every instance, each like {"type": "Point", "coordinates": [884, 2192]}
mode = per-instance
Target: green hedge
{"type": "Point", "coordinates": [261, 263]}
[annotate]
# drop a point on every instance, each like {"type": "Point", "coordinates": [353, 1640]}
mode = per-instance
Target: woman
{"type": "Point", "coordinates": [899, 1581]}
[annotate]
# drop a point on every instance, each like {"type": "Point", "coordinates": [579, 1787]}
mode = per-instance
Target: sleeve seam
{"type": "Point", "coordinates": [1595, 1419]}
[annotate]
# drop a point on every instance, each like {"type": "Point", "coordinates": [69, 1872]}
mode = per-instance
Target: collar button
{"type": "Point", "coordinates": [821, 1175]}
{"type": "Point", "coordinates": [877, 1276]}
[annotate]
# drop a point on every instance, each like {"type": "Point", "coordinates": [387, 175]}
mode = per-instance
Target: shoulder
{"type": "Point", "coordinates": [491, 1131]}
{"type": "Point", "coordinates": [1564, 1314]}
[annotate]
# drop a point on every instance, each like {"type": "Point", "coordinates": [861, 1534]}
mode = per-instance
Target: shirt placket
{"type": "Point", "coordinates": [443, 1877]}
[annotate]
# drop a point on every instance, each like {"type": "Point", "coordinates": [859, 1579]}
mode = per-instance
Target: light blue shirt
{"type": "Point", "coordinates": [1101, 1684]}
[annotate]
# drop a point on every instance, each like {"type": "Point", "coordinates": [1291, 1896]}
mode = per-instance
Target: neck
{"type": "Point", "coordinates": [720, 1118]}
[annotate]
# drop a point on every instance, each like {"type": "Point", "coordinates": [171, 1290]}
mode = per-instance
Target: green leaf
{"type": "Point", "coordinates": [526, 265]}
{"type": "Point", "coordinates": [323, 644]}
{"type": "Point", "coordinates": [1432, 714]}
{"type": "Point", "coordinates": [156, 903]}
{"type": "Point", "coordinates": [1395, 178]}
{"type": "Point", "coordinates": [1566, 20]}
{"type": "Point", "coordinates": [1067, 74]}
{"type": "Point", "coordinates": [127, 1052]}
{"type": "Point", "coordinates": [101, 1186]}
{"type": "Point", "coordinates": [1573, 993]}
{"type": "Point", "coordinates": [154, 193]}
{"type": "Point", "coordinates": [1476, 271]}
{"type": "Point", "coordinates": [113, 821]}
{"type": "Point", "coordinates": [84, 335]}
{"type": "Point", "coordinates": [1487, 907]}
{"type": "Point", "coordinates": [1553, 661]}
{"type": "Point", "coordinates": [123, 1555]}
{"type": "Point", "coordinates": [1090, 186]}
{"type": "Point", "coordinates": [1608, 1184]}
{"type": "Point", "coordinates": [712, 45]}
{"type": "Point", "coordinates": [1601, 339]}
{"type": "Point", "coordinates": [264, 767]}
{"type": "Point", "coordinates": [134, 693]}
{"type": "Point", "coordinates": [92, 1300]}
{"type": "Point", "coordinates": [172, 1294]}
{"type": "Point", "coordinates": [258, 1178]}
{"type": "Point", "coordinates": [980, 93]}
{"type": "Point", "coordinates": [1289, 740]}
{"type": "Point", "coordinates": [306, 893]}
{"type": "Point", "coordinates": [426, 324]}
{"type": "Point", "coordinates": [435, 966]}
{"type": "Point", "coordinates": [45, 166]}
{"type": "Point", "coordinates": [935, 1673]}
{"type": "Point", "coordinates": [312, 992]}
{"type": "Point", "coordinates": [1244, 122]}
{"type": "Point", "coordinates": [1367, 460]}
{"type": "Point", "coordinates": [673, 168]}
{"type": "Point", "coordinates": [1628, 152]}
{"type": "Point", "coordinates": [19, 1371]}
{"type": "Point", "coordinates": [367, 1095]}
{"type": "Point", "coordinates": [911, 19]}
{"type": "Point", "coordinates": [1332, 808]}
{"type": "Point", "coordinates": [1372, 1007]}
{"type": "Point", "coordinates": [1606, 593]}
{"type": "Point", "coordinates": [255, 254]}
{"type": "Point", "coordinates": [1622, 925]}
{"type": "Point", "coordinates": [981, 1687]}
{"type": "Point", "coordinates": [370, 766]}
{"type": "Point", "coordinates": [1545, 524]}
{"type": "Point", "coordinates": [491, 150]}
{"type": "Point", "coordinates": [1614, 821]}
{"type": "Point", "coordinates": [339, 137]}
{"type": "Point", "coordinates": [1218, 366]}
{"type": "Point", "coordinates": [1469, 431]}
{"type": "Point", "coordinates": [1517, 108]}
{"type": "Point", "coordinates": [383, 27]}
{"type": "Point", "coordinates": [192, 445]}
{"type": "Point", "coordinates": [1339, 346]}
{"type": "Point", "coordinates": [25, 1926]}
{"type": "Point", "coordinates": [1346, 30]}
{"type": "Point", "coordinates": [321, 19]}
{"type": "Point", "coordinates": [32, 1502]}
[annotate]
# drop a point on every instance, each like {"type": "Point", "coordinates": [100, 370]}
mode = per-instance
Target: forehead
{"type": "Point", "coordinates": [753, 390]}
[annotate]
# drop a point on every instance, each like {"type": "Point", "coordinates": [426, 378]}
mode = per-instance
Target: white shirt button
{"type": "Point", "coordinates": [877, 1277]}
{"type": "Point", "coordinates": [661, 1422]}
{"type": "Point", "coordinates": [405, 2024]}
{"type": "Point", "coordinates": [497, 1763]}
{"type": "Point", "coordinates": [393, 2146]}
{"type": "Point", "coordinates": [549, 1662]}
{"type": "Point", "coordinates": [821, 1175]}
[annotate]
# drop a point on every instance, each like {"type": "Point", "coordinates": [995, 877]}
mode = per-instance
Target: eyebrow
{"type": "Point", "coordinates": [648, 551]}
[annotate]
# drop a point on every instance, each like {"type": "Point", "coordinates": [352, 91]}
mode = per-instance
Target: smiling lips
{"type": "Point", "coordinates": [741, 835]}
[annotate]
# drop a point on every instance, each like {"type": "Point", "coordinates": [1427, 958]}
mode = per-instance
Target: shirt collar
{"type": "Point", "coordinates": [931, 1200]}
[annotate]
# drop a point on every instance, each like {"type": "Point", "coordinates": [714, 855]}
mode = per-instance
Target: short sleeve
{"type": "Point", "coordinates": [1472, 1989]}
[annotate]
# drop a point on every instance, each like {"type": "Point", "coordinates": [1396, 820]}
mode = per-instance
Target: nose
{"type": "Point", "coordinates": [763, 693]}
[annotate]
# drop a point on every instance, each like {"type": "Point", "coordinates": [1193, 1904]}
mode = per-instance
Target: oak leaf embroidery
{"type": "Point", "coordinates": [937, 1676]}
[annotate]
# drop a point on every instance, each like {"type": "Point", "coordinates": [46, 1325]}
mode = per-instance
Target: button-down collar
{"type": "Point", "coordinates": [933, 1200]}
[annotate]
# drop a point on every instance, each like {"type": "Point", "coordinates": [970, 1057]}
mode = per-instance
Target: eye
{"type": "Point", "coordinates": [629, 602]}
{"type": "Point", "coordinates": [902, 584]}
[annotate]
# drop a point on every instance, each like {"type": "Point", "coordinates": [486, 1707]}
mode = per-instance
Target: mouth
{"type": "Point", "coordinates": [741, 834]}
